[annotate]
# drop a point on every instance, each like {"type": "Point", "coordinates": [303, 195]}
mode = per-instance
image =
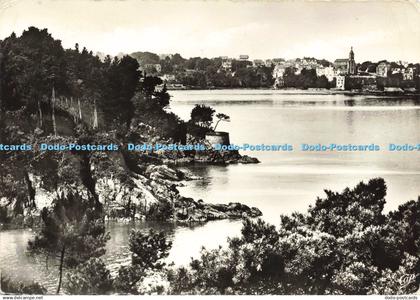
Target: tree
{"type": "Point", "coordinates": [145, 58]}
{"type": "Point", "coordinates": [33, 64]}
{"type": "Point", "coordinates": [202, 115]}
{"type": "Point", "coordinates": [162, 97]}
{"type": "Point", "coordinates": [147, 254]}
{"type": "Point", "coordinates": [149, 84]}
{"type": "Point", "coordinates": [290, 79]}
{"type": "Point", "coordinates": [9, 286]}
{"type": "Point", "coordinates": [417, 82]}
{"type": "Point", "coordinates": [72, 231]}
{"type": "Point", "coordinates": [322, 82]}
{"type": "Point", "coordinates": [15, 184]}
{"type": "Point", "coordinates": [247, 77]}
{"type": "Point", "coordinates": [221, 117]}
{"type": "Point", "coordinates": [365, 66]}
{"type": "Point", "coordinates": [121, 82]}
{"type": "Point", "coordinates": [395, 80]}
{"type": "Point", "coordinates": [307, 78]}
{"type": "Point", "coordinates": [90, 278]}
{"type": "Point", "coordinates": [177, 59]}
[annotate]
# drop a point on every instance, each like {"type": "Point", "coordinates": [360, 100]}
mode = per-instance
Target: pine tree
{"type": "Point", "coordinates": [72, 232]}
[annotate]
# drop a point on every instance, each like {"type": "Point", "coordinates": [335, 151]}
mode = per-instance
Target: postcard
{"type": "Point", "coordinates": [209, 148]}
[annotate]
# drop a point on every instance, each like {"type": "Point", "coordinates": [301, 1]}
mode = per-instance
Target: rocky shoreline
{"type": "Point", "coordinates": [209, 156]}
{"type": "Point", "coordinates": [216, 158]}
{"type": "Point", "coordinates": [129, 185]}
{"type": "Point", "coordinates": [189, 211]}
{"type": "Point", "coordinates": [152, 195]}
{"type": "Point", "coordinates": [185, 210]}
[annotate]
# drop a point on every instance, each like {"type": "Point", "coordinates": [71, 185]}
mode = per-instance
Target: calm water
{"type": "Point", "coordinates": [186, 243]}
{"type": "Point", "coordinates": [284, 181]}
{"type": "Point", "coordinates": [290, 181]}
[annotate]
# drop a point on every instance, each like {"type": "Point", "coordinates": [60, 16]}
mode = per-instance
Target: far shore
{"type": "Point", "coordinates": [311, 91]}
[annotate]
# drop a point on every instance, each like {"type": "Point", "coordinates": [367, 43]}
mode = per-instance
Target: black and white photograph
{"type": "Point", "coordinates": [174, 147]}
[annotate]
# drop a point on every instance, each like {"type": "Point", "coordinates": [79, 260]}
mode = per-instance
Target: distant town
{"type": "Point", "coordinates": [344, 74]}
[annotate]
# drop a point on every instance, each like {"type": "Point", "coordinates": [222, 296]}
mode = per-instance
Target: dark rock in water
{"type": "Point", "coordinates": [190, 211]}
{"type": "Point", "coordinates": [248, 160]}
{"type": "Point", "coordinates": [220, 207]}
{"type": "Point", "coordinates": [208, 156]}
{"type": "Point", "coordinates": [164, 172]}
{"type": "Point", "coordinates": [255, 212]}
{"type": "Point", "coordinates": [223, 157]}
{"type": "Point", "coordinates": [185, 174]}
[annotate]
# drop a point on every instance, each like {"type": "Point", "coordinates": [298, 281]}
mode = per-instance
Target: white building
{"type": "Point", "coordinates": [340, 83]}
{"type": "Point", "coordinates": [279, 70]}
{"type": "Point", "coordinates": [168, 78]}
{"type": "Point", "coordinates": [408, 74]}
{"type": "Point", "coordinates": [382, 69]}
{"type": "Point", "coordinates": [326, 71]}
{"type": "Point", "coordinates": [227, 65]}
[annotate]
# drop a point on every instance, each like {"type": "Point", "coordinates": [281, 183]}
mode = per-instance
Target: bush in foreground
{"type": "Point", "coordinates": [344, 244]}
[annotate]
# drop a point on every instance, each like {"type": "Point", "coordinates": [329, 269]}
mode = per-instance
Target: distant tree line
{"type": "Point", "coordinates": [307, 78]}
{"type": "Point", "coordinates": [200, 72]}
{"type": "Point", "coordinates": [35, 63]}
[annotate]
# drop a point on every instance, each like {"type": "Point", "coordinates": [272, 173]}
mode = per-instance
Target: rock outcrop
{"type": "Point", "coordinates": [187, 211]}
{"type": "Point", "coordinates": [156, 192]}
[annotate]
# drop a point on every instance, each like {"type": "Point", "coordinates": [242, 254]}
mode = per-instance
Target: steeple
{"type": "Point", "coordinates": [351, 55]}
{"type": "Point", "coordinates": [351, 65]}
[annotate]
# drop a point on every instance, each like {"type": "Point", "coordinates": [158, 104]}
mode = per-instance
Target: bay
{"type": "Point", "coordinates": [284, 181]}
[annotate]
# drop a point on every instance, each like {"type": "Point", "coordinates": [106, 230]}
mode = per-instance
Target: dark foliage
{"type": "Point", "coordinates": [202, 115]}
{"type": "Point", "coordinates": [307, 78]}
{"type": "Point", "coordinates": [343, 245]}
{"type": "Point", "coordinates": [148, 252]}
{"type": "Point", "coordinates": [72, 232]}
{"type": "Point", "coordinates": [90, 278]}
{"type": "Point", "coordinates": [9, 286]}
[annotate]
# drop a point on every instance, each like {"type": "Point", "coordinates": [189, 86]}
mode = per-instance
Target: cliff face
{"type": "Point", "coordinates": [153, 195]}
{"type": "Point", "coordinates": [129, 185]}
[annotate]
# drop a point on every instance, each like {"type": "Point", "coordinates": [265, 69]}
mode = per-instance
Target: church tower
{"type": "Point", "coordinates": [351, 66]}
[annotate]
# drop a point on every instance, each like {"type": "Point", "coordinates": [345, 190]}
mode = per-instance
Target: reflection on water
{"type": "Point", "coordinates": [285, 98]}
{"type": "Point", "coordinates": [186, 243]}
{"type": "Point", "coordinates": [289, 181]}
{"type": "Point", "coordinates": [284, 181]}
{"type": "Point", "coordinates": [18, 265]}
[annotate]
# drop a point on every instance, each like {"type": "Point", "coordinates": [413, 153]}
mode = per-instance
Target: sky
{"type": "Point", "coordinates": [261, 29]}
